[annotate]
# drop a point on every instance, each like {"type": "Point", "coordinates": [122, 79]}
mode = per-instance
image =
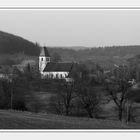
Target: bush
{"type": "Point", "coordinates": [20, 104]}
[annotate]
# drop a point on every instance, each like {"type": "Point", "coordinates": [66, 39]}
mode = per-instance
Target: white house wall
{"type": "Point", "coordinates": [53, 75]}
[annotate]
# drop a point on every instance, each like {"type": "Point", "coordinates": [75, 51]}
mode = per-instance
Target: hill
{"type": "Point", "coordinates": [15, 49]}
{"type": "Point", "coordinates": [12, 44]}
{"type": "Point", "coordinates": [105, 56]}
{"type": "Point", "coordinates": [27, 120]}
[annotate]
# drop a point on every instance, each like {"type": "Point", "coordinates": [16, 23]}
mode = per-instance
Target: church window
{"type": "Point", "coordinates": [61, 76]}
{"type": "Point", "coordinates": [51, 75]}
{"type": "Point", "coordinates": [47, 76]}
{"type": "Point", "coordinates": [41, 59]}
{"type": "Point", "coordinates": [57, 76]}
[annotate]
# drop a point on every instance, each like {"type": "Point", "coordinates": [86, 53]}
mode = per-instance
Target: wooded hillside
{"type": "Point", "coordinates": [15, 46]}
{"type": "Point", "coordinates": [11, 44]}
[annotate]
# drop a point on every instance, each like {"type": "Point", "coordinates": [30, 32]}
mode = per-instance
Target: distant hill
{"type": "Point", "coordinates": [76, 48]}
{"type": "Point", "coordinates": [17, 49]}
{"type": "Point", "coordinates": [12, 44]}
{"type": "Point", "coordinates": [105, 56]}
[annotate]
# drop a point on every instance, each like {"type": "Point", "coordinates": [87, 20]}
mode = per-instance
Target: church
{"type": "Point", "coordinates": [47, 69]}
{"type": "Point", "coordinates": [54, 70]}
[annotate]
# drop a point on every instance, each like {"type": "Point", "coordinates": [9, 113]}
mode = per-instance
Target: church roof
{"type": "Point", "coordinates": [44, 52]}
{"type": "Point", "coordinates": [61, 67]}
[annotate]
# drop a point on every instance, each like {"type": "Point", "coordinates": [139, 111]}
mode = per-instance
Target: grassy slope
{"type": "Point", "coordinates": [26, 120]}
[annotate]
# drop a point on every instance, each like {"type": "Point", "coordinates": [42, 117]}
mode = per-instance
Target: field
{"type": "Point", "coordinates": [26, 120]}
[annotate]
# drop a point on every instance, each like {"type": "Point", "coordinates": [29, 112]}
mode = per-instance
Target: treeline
{"type": "Point", "coordinates": [99, 51]}
{"type": "Point", "coordinates": [104, 56]}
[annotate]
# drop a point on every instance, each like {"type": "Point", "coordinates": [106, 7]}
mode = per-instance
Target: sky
{"type": "Point", "coordinates": [89, 28]}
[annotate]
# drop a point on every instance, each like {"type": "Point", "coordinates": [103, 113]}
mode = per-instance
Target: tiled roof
{"type": "Point", "coordinates": [61, 67]}
{"type": "Point", "coordinates": [44, 52]}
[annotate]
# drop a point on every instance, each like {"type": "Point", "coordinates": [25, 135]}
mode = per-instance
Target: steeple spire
{"type": "Point", "coordinates": [44, 52]}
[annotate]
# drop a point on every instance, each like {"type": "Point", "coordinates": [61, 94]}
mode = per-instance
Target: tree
{"type": "Point", "coordinates": [4, 94]}
{"type": "Point", "coordinates": [88, 99]}
{"type": "Point", "coordinates": [87, 93]}
{"type": "Point", "coordinates": [67, 95]}
{"type": "Point", "coordinates": [63, 101]}
{"type": "Point", "coordinates": [117, 86]}
{"type": "Point", "coordinates": [56, 104]}
{"type": "Point", "coordinates": [133, 96]}
{"type": "Point", "coordinates": [15, 90]}
{"type": "Point", "coordinates": [19, 91]}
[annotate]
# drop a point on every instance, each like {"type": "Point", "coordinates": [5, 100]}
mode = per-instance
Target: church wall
{"type": "Point", "coordinates": [53, 75]}
{"type": "Point", "coordinates": [43, 60]}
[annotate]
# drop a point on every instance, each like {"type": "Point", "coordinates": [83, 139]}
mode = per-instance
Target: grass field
{"type": "Point", "coordinates": [26, 120]}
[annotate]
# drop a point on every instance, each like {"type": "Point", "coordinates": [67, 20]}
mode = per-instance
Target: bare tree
{"type": "Point", "coordinates": [62, 102]}
{"type": "Point", "coordinates": [117, 86]}
{"type": "Point", "coordinates": [87, 93]}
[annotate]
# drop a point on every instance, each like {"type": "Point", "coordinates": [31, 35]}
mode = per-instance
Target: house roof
{"type": "Point", "coordinates": [61, 67]}
{"type": "Point", "coordinates": [44, 52]}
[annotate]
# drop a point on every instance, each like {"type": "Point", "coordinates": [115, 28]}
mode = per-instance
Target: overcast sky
{"type": "Point", "coordinates": [91, 28]}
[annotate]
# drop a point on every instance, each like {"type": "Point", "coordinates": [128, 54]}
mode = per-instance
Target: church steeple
{"type": "Point", "coordinates": [44, 52]}
{"type": "Point", "coordinates": [44, 58]}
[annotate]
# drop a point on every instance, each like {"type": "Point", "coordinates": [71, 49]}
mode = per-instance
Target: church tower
{"type": "Point", "coordinates": [44, 58]}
